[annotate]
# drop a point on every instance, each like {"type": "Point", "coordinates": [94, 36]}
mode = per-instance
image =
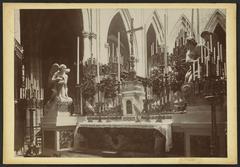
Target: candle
{"type": "Point", "coordinates": [214, 55]}
{"type": "Point", "coordinates": [31, 79]}
{"type": "Point", "coordinates": [225, 70]}
{"type": "Point", "coordinates": [221, 57]}
{"type": "Point", "coordinates": [119, 78]}
{"type": "Point", "coordinates": [193, 70]}
{"type": "Point", "coordinates": [199, 68]}
{"type": "Point", "coordinates": [78, 60]}
{"type": "Point", "coordinates": [25, 91]}
{"type": "Point", "coordinates": [217, 69]}
{"type": "Point", "coordinates": [211, 42]}
{"type": "Point", "coordinates": [207, 67]}
{"type": "Point", "coordinates": [156, 45]}
{"type": "Point", "coordinates": [151, 50]}
{"type": "Point", "coordinates": [108, 51]}
{"type": "Point", "coordinates": [37, 84]}
{"type": "Point", "coordinates": [42, 93]}
{"type": "Point", "coordinates": [206, 60]}
{"type": "Point", "coordinates": [20, 93]}
{"type": "Point", "coordinates": [37, 94]}
{"type": "Point", "coordinates": [218, 49]}
{"type": "Point", "coordinates": [112, 52]}
{"type": "Point", "coordinates": [26, 82]}
{"type": "Point", "coordinates": [201, 51]}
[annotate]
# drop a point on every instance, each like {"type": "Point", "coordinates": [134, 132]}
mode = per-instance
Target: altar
{"type": "Point", "coordinates": [154, 138]}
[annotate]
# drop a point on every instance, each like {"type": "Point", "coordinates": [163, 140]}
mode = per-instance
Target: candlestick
{"type": "Point", "coordinates": [112, 52]}
{"type": "Point", "coordinates": [108, 51]}
{"type": "Point", "coordinates": [42, 93]}
{"type": "Point", "coordinates": [201, 51]}
{"type": "Point", "coordinates": [218, 49]}
{"type": "Point", "coordinates": [225, 70]}
{"type": "Point", "coordinates": [20, 93]}
{"type": "Point", "coordinates": [207, 57]}
{"type": "Point", "coordinates": [151, 50]}
{"type": "Point", "coordinates": [217, 70]}
{"type": "Point", "coordinates": [199, 68]}
{"type": "Point", "coordinates": [221, 57]}
{"type": "Point", "coordinates": [26, 82]}
{"type": "Point", "coordinates": [156, 46]}
{"type": "Point", "coordinates": [193, 70]}
{"type": "Point", "coordinates": [214, 55]}
{"type": "Point", "coordinates": [119, 78]}
{"type": "Point", "coordinates": [24, 93]}
{"type": "Point", "coordinates": [78, 60]}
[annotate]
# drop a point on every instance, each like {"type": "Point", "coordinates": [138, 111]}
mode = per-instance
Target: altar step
{"type": "Point", "coordinates": [108, 153]}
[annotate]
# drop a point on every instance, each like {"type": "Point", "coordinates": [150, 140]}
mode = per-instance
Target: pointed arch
{"type": "Point", "coordinates": [157, 25]}
{"type": "Point", "coordinates": [182, 23]}
{"type": "Point", "coordinates": [126, 17]}
{"type": "Point", "coordinates": [116, 26]}
{"type": "Point", "coordinates": [217, 18]}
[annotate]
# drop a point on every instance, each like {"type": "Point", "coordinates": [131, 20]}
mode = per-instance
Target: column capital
{"type": "Point", "coordinates": [85, 34]}
{"type": "Point", "coordinates": [89, 35]}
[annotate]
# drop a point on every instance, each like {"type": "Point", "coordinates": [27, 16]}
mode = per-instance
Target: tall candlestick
{"type": "Point", "coordinates": [193, 70]}
{"type": "Point", "coordinates": [211, 42]}
{"type": "Point", "coordinates": [217, 69]}
{"type": "Point", "coordinates": [26, 82]}
{"type": "Point", "coordinates": [119, 57]}
{"type": "Point", "coordinates": [218, 49]}
{"type": "Point", "coordinates": [108, 51]}
{"type": "Point", "coordinates": [214, 55]}
{"type": "Point", "coordinates": [207, 58]}
{"type": "Point", "coordinates": [156, 46]}
{"type": "Point", "coordinates": [225, 70]}
{"type": "Point", "coordinates": [40, 93]}
{"type": "Point", "coordinates": [112, 52]}
{"type": "Point", "coordinates": [151, 49]}
{"type": "Point", "coordinates": [24, 93]}
{"type": "Point", "coordinates": [201, 51]}
{"type": "Point", "coordinates": [221, 57]}
{"type": "Point", "coordinates": [78, 60]}
{"type": "Point", "coordinates": [20, 93]}
{"type": "Point", "coordinates": [199, 68]}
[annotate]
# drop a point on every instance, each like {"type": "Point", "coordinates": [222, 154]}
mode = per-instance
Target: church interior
{"type": "Point", "coordinates": [140, 82]}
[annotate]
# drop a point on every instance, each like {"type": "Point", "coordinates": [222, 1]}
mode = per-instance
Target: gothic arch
{"type": "Point", "coordinates": [158, 27]}
{"type": "Point", "coordinates": [126, 17]}
{"type": "Point", "coordinates": [217, 18]}
{"type": "Point", "coordinates": [182, 23]}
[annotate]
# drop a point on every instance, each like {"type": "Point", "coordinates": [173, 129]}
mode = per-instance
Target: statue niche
{"type": "Point", "coordinates": [57, 83]}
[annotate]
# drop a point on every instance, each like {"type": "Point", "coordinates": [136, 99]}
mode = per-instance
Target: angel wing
{"type": "Point", "coordinates": [53, 70]}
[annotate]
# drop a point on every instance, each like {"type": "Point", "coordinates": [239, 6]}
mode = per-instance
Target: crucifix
{"type": "Point", "coordinates": [131, 31]}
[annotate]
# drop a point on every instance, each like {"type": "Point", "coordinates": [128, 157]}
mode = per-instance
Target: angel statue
{"type": "Point", "coordinates": [57, 81]}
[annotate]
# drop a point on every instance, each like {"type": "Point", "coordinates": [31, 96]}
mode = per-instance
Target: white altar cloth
{"type": "Point", "coordinates": [164, 127]}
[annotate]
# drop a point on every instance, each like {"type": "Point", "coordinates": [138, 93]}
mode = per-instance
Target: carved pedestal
{"type": "Point", "coordinates": [132, 98]}
{"type": "Point", "coordinates": [58, 128]}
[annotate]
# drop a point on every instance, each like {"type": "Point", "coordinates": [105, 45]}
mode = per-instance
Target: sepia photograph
{"type": "Point", "coordinates": [118, 82]}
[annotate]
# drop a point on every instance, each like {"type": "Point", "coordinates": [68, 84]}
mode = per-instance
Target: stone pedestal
{"type": "Point", "coordinates": [132, 97]}
{"type": "Point", "coordinates": [58, 128]}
